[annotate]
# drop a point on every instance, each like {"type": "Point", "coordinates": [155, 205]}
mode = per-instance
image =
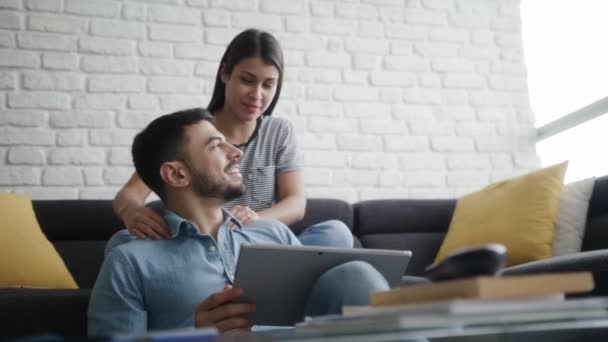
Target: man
{"type": "Point", "coordinates": [186, 281]}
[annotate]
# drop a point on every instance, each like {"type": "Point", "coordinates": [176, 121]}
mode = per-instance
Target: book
{"type": "Point", "coordinates": [460, 306]}
{"type": "Point", "coordinates": [488, 288]}
{"type": "Point", "coordinates": [173, 335]}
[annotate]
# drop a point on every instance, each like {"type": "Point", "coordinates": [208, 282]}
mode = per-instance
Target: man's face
{"type": "Point", "coordinates": [213, 163]}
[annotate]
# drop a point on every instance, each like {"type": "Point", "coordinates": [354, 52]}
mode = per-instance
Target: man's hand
{"type": "Point", "coordinates": [145, 223]}
{"type": "Point", "coordinates": [244, 214]}
{"type": "Point", "coordinates": [218, 311]}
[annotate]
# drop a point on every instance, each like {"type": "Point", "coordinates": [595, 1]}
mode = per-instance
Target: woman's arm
{"type": "Point", "coordinates": [290, 200]}
{"type": "Point", "coordinates": [133, 193]}
{"type": "Point", "coordinates": [129, 206]}
{"type": "Point", "coordinates": [291, 203]}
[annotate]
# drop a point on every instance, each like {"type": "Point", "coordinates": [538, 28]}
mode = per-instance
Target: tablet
{"type": "Point", "coordinates": [279, 278]}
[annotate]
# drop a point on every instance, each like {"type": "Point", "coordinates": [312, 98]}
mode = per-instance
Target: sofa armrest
{"type": "Point", "coordinates": [595, 261]}
{"type": "Point", "coordinates": [27, 312]}
{"type": "Point", "coordinates": [592, 261]}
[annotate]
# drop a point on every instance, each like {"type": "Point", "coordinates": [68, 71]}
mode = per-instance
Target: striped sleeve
{"type": "Point", "coordinates": [288, 156]}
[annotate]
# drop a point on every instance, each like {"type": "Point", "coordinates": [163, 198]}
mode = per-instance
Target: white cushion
{"type": "Point", "coordinates": [572, 217]}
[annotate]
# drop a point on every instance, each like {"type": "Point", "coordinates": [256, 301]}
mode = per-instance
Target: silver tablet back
{"type": "Point", "coordinates": [278, 279]}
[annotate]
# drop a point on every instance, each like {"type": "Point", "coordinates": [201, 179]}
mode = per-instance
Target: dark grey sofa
{"type": "Point", "coordinates": [80, 228]}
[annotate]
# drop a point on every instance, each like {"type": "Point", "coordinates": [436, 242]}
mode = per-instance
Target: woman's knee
{"type": "Point", "coordinates": [354, 280]}
{"type": "Point", "coordinates": [333, 233]}
{"type": "Point", "coordinates": [355, 271]}
{"type": "Point", "coordinates": [341, 233]}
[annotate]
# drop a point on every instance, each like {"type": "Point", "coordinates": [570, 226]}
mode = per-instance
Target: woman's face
{"type": "Point", "coordinates": [250, 88]}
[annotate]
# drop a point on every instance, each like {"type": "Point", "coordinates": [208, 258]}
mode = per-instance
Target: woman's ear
{"type": "Point", "coordinates": [224, 76]}
{"type": "Point", "coordinates": [175, 174]}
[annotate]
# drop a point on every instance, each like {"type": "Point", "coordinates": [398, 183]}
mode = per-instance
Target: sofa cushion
{"type": "Point", "coordinates": [424, 247]}
{"type": "Point", "coordinates": [77, 219]}
{"type": "Point", "coordinates": [320, 209]}
{"type": "Point", "coordinates": [404, 224]}
{"type": "Point", "coordinates": [27, 258]}
{"type": "Point", "coordinates": [520, 213]}
{"type": "Point", "coordinates": [403, 216]}
{"type": "Point", "coordinates": [83, 258]}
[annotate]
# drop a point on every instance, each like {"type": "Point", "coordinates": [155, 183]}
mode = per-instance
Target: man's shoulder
{"type": "Point", "coordinates": [136, 250]}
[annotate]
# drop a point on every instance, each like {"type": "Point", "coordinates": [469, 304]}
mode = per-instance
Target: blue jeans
{"type": "Point", "coordinates": [346, 284]}
{"type": "Point", "coordinates": [332, 233]}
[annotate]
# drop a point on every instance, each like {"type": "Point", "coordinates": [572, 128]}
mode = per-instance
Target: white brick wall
{"type": "Point", "coordinates": [389, 98]}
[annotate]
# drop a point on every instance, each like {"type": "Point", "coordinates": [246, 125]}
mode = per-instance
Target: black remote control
{"type": "Point", "coordinates": [481, 260]}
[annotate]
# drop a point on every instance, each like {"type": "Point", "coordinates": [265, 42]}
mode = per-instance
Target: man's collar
{"type": "Point", "coordinates": [179, 225]}
{"type": "Point", "coordinates": [231, 219]}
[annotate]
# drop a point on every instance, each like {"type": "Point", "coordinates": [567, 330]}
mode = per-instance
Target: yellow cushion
{"type": "Point", "coordinates": [27, 258]}
{"type": "Point", "coordinates": [520, 213]}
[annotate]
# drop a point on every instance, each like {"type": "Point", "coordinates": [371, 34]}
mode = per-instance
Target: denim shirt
{"type": "Point", "coordinates": [156, 284]}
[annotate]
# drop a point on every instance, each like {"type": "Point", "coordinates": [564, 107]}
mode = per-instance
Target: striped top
{"type": "Point", "coordinates": [271, 153]}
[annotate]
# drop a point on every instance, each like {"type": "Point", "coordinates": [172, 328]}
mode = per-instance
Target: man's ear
{"type": "Point", "coordinates": [175, 174]}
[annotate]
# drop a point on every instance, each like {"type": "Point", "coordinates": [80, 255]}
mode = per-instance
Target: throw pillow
{"type": "Point", "coordinates": [520, 213]}
{"type": "Point", "coordinates": [572, 217]}
{"type": "Point", "coordinates": [27, 258]}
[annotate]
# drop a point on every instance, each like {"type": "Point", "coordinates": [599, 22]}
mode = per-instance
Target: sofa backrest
{"type": "Point", "coordinates": [405, 224]}
{"type": "Point", "coordinates": [79, 230]}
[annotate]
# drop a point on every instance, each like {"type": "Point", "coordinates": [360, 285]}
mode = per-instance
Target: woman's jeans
{"type": "Point", "coordinates": [332, 233]}
{"type": "Point", "coordinates": [346, 284]}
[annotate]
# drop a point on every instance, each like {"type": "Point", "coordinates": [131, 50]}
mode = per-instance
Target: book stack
{"type": "Point", "coordinates": [461, 317]}
{"type": "Point", "coordinates": [457, 306]}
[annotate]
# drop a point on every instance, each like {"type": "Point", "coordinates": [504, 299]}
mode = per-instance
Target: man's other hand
{"type": "Point", "coordinates": [219, 311]}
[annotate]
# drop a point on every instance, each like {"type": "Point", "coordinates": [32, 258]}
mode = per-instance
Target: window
{"type": "Point", "coordinates": [566, 53]}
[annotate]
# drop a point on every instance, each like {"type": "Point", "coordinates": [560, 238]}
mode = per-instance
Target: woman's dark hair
{"type": "Point", "coordinates": [247, 44]}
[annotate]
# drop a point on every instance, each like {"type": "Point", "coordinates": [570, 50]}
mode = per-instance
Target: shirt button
{"type": "Point", "coordinates": [212, 248]}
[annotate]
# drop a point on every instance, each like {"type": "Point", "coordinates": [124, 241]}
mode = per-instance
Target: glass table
{"type": "Point", "coordinates": [571, 320]}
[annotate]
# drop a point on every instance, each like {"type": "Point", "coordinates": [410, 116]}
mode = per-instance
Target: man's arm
{"type": "Point", "coordinates": [116, 304]}
{"type": "Point", "coordinates": [291, 199]}
{"type": "Point", "coordinates": [291, 203]}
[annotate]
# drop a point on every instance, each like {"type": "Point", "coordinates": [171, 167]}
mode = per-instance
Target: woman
{"type": "Point", "coordinates": [247, 88]}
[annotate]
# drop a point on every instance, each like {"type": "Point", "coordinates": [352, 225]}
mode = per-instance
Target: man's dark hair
{"type": "Point", "coordinates": [162, 141]}
{"type": "Point", "coordinates": [247, 44]}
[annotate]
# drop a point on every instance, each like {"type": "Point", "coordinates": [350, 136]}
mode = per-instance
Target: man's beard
{"type": "Point", "coordinates": [204, 186]}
